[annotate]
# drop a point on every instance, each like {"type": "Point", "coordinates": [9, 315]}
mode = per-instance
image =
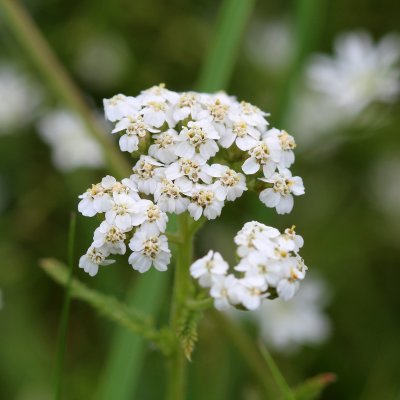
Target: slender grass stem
{"type": "Point", "coordinates": [62, 338]}
{"type": "Point", "coordinates": [276, 373]}
{"type": "Point", "coordinates": [220, 61]}
{"type": "Point", "coordinates": [248, 351]}
{"type": "Point", "coordinates": [34, 43]}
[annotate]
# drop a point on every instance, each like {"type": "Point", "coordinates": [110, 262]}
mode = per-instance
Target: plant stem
{"type": "Point", "coordinates": [59, 80]}
{"type": "Point", "coordinates": [62, 340]}
{"type": "Point", "coordinates": [276, 373]}
{"type": "Point", "coordinates": [177, 362]}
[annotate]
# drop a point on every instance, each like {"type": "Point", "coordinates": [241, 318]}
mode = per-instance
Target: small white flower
{"type": "Point", "coordinates": [232, 182]}
{"type": "Point", "coordinates": [224, 291]}
{"type": "Point", "coordinates": [252, 292]}
{"type": "Point", "coordinates": [96, 199]}
{"type": "Point", "coordinates": [110, 237]}
{"type": "Point", "coordinates": [145, 174]}
{"type": "Point", "coordinates": [150, 217]}
{"type": "Point", "coordinates": [121, 213]}
{"type": "Point", "coordinates": [120, 106]}
{"type": "Point", "coordinates": [135, 129]}
{"type": "Point", "coordinates": [249, 114]}
{"type": "Point", "coordinates": [280, 195]}
{"type": "Point", "coordinates": [149, 249]}
{"type": "Point", "coordinates": [265, 154]}
{"type": "Point", "coordinates": [192, 169]}
{"type": "Point", "coordinates": [169, 196]}
{"type": "Point", "coordinates": [244, 135]}
{"type": "Point", "coordinates": [287, 145]}
{"type": "Point", "coordinates": [199, 137]}
{"type": "Point", "coordinates": [359, 73]}
{"type": "Point", "coordinates": [208, 267]}
{"type": "Point", "coordinates": [94, 257]}
{"type": "Point", "coordinates": [207, 200]}
{"type": "Point", "coordinates": [289, 240]}
{"type": "Point", "coordinates": [255, 235]}
{"type": "Point", "coordinates": [185, 105]}
{"type": "Point", "coordinates": [164, 146]}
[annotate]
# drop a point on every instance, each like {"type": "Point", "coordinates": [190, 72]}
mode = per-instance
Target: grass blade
{"type": "Point", "coordinates": [62, 339]}
{"type": "Point", "coordinates": [222, 55]}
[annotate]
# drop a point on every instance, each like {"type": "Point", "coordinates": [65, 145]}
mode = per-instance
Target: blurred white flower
{"type": "Point", "coordinates": [360, 72]}
{"type": "Point", "coordinates": [287, 325]}
{"type": "Point", "coordinates": [337, 89]}
{"type": "Point", "coordinates": [102, 60]}
{"type": "Point", "coordinates": [271, 44]}
{"type": "Point", "coordinates": [71, 144]}
{"type": "Point", "coordinates": [21, 98]}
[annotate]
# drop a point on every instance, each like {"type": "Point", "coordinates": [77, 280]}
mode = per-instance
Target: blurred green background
{"type": "Point", "coordinates": [349, 217]}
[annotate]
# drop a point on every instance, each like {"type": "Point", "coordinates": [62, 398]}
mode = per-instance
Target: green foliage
{"type": "Point", "coordinates": [312, 388]}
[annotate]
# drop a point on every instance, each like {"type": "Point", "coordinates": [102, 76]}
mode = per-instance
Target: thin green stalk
{"type": "Point", "coordinates": [121, 375]}
{"type": "Point", "coordinates": [110, 307]}
{"type": "Point", "coordinates": [36, 46]}
{"type": "Point", "coordinates": [247, 350]}
{"type": "Point", "coordinates": [220, 61]}
{"type": "Point", "coordinates": [276, 373]}
{"type": "Point", "coordinates": [308, 21]}
{"type": "Point", "coordinates": [62, 339]}
{"type": "Point", "coordinates": [177, 364]}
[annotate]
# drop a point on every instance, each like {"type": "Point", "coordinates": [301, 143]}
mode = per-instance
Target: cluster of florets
{"type": "Point", "coordinates": [269, 266]}
{"type": "Point", "coordinates": [189, 149]}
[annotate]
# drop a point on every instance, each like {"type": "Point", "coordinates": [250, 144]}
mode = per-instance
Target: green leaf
{"type": "Point", "coordinates": [120, 377]}
{"type": "Point", "coordinates": [312, 388]}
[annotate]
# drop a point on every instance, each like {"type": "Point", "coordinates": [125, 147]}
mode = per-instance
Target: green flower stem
{"type": "Point", "coordinates": [245, 346]}
{"type": "Point", "coordinates": [110, 307]}
{"type": "Point", "coordinates": [177, 364]}
{"type": "Point", "coordinates": [30, 37]}
{"type": "Point", "coordinates": [276, 373]}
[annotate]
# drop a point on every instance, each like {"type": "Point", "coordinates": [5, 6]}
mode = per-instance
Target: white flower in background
{"type": "Point", "coordinates": [111, 237]}
{"type": "Point", "coordinates": [21, 98]}
{"type": "Point", "coordinates": [120, 106]}
{"type": "Point", "coordinates": [112, 50]}
{"type": "Point", "coordinates": [94, 258]}
{"type": "Point", "coordinates": [287, 325]}
{"type": "Point", "coordinates": [135, 129]}
{"type": "Point", "coordinates": [233, 183]}
{"type": "Point", "coordinates": [271, 44]}
{"type": "Point", "coordinates": [207, 268]}
{"type": "Point", "coordinates": [360, 72]}
{"type": "Point", "coordinates": [149, 249]}
{"type": "Point", "coordinates": [71, 144]}
{"type": "Point", "coordinates": [280, 195]}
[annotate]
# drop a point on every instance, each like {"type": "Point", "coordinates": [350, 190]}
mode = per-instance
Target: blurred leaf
{"type": "Point", "coordinates": [108, 306]}
{"type": "Point", "coordinates": [224, 48]}
{"type": "Point", "coordinates": [312, 388]}
{"type": "Point", "coordinates": [127, 352]}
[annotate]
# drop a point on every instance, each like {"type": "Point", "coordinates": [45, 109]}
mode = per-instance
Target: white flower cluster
{"type": "Point", "coordinates": [189, 148]}
{"type": "Point", "coordinates": [269, 266]}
